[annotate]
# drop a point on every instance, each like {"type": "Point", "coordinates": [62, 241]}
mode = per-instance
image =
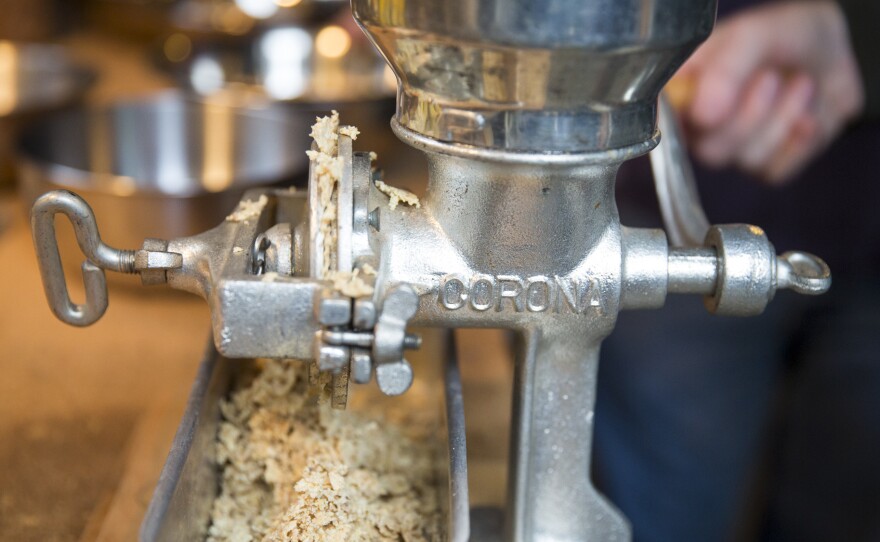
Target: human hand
{"type": "Point", "coordinates": [771, 88]}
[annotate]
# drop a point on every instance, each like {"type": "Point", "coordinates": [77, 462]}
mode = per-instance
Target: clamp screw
{"type": "Point", "coordinates": [373, 219]}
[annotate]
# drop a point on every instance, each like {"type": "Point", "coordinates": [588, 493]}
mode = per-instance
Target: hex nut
{"type": "Point", "coordinates": [364, 314]}
{"type": "Point", "coordinates": [151, 266]}
{"type": "Point", "coordinates": [155, 245]}
{"type": "Point", "coordinates": [332, 358]}
{"type": "Point", "coordinates": [333, 310]}
{"type": "Point", "coordinates": [361, 365]}
{"type": "Point", "coordinates": [148, 259]}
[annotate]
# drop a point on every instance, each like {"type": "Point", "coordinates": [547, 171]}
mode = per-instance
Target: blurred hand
{"type": "Point", "coordinates": [771, 88]}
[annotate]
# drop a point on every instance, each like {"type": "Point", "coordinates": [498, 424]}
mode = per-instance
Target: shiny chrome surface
{"type": "Point", "coordinates": [459, 521]}
{"type": "Point", "coordinates": [306, 70]}
{"type": "Point", "coordinates": [550, 76]}
{"type": "Point", "coordinates": [161, 167]}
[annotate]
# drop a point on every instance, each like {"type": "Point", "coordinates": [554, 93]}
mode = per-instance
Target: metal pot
{"type": "Point", "coordinates": [34, 78]}
{"type": "Point", "coordinates": [167, 166]}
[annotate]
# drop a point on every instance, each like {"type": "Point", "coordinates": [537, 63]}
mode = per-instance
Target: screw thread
{"type": "Point", "coordinates": [126, 262]}
{"type": "Point", "coordinates": [412, 341]}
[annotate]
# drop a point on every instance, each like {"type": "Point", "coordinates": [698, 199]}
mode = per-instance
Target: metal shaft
{"type": "Point", "coordinates": [693, 271]}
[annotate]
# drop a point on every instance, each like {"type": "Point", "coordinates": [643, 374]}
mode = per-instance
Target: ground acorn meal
{"type": "Point", "coordinates": [294, 469]}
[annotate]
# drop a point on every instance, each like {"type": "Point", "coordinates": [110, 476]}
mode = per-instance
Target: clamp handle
{"type": "Point", "coordinates": [99, 256]}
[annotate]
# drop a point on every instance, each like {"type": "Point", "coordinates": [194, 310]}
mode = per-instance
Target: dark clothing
{"type": "Point", "coordinates": [863, 16]}
{"type": "Point", "coordinates": [713, 429]}
{"type": "Point", "coordinates": [768, 428]}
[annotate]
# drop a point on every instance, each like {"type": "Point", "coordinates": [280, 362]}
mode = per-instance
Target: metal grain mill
{"type": "Point", "coordinates": [525, 110]}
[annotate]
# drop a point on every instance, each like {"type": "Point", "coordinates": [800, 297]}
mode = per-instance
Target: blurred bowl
{"type": "Point", "coordinates": [147, 19]}
{"type": "Point", "coordinates": [238, 17]}
{"type": "Point", "coordinates": [34, 78]}
{"type": "Point", "coordinates": [328, 66]}
{"type": "Point", "coordinates": [168, 166]}
{"type": "Point", "coordinates": [37, 77]}
{"type": "Point", "coordinates": [282, 64]}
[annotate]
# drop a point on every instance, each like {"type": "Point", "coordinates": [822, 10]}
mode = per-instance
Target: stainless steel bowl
{"type": "Point", "coordinates": [163, 167]}
{"type": "Point", "coordinates": [34, 78]}
{"type": "Point", "coordinates": [328, 62]}
{"type": "Point", "coordinates": [204, 18]}
{"type": "Point", "coordinates": [302, 68]}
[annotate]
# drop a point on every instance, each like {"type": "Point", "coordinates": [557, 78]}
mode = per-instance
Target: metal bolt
{"type": "Point", "coordinates": [361, 365]}
{"type": "Point", "coordinates": [152, 261]}
{"type": "Point", "coordinates": [258, 253]}
{"type": "Point", "coordinates": [373, 219]}
{"type": "Point", "coordinates": [341, 337]}
{"type": "Point", "coordinates": [411, 341]}
{"type": "Point", "coordinates": [333, 310]}
{"type": "Point", "coordinates": [364, 314]}
{"type": "Point", "coordinates": [147, 259]}
{"type": "Point", "coordinates": [332, 358]}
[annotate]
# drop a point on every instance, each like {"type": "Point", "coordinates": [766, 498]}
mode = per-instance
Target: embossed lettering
{"type": "Point", "coordinates": [453, 293]}
{"type": "Point", "coordinates": [539, 293]}
{"type": "Point", "coordinates": [511, 293]}
{"type": "Point", "coordinates": [482, 292]}
{"type": "Point", "coordinates": [509, 287]}
{"type": "Point", "coordinates": [567, 295]}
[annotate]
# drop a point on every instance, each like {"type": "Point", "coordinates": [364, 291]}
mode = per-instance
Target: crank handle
{"type": "Point", "coordinates": [736, 270]}
{"type": "Point", "coordinates": [739, 272]}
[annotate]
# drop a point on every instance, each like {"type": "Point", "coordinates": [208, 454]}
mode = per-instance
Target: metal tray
{"type": "Point", "coordinates": [181, 505]}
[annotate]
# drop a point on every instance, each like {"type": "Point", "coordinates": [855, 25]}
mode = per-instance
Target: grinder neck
{"type": "Point", "coordinates": [519, 212]}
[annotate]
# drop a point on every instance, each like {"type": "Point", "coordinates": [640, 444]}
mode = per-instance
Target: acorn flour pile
{"type": "Point", "coordinates": [294, 469]}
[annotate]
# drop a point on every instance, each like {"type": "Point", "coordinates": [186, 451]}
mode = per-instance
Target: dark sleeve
{"type": "Point", "coordinates": [863, 18]}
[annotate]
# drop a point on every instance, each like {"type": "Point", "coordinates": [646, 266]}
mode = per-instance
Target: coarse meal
{"type": "Point", "coordinates": [328, 170]}
{"type": "Point", "coordinates": [294, 469]}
